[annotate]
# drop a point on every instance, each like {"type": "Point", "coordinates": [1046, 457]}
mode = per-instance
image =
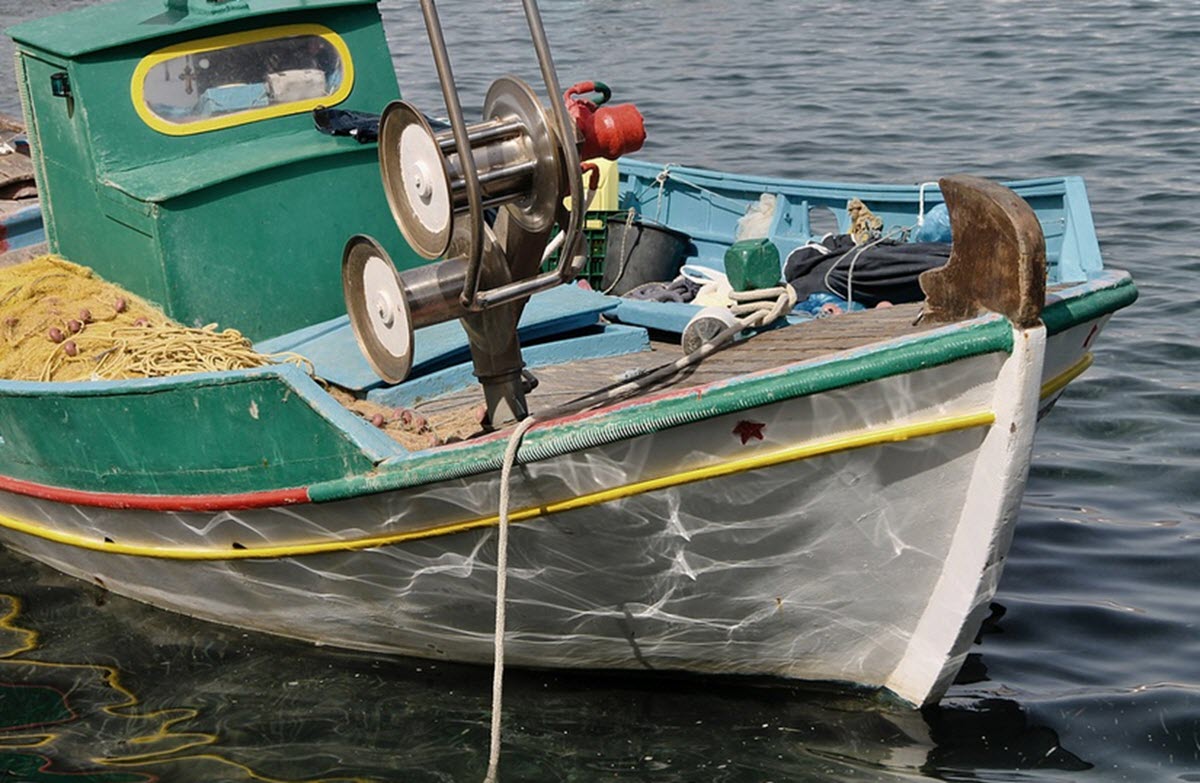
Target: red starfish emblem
{"type": "Point", "coordinates": [747, 429]}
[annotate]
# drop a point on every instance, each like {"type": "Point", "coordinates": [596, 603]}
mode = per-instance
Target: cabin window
{"type": "Point", "coordinates": [234, 79]}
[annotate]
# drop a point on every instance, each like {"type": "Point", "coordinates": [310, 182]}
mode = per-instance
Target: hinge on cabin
{"type": "Point", "coordinates": [60, 84]}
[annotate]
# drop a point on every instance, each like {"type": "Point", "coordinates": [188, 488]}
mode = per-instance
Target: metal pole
{"type": "Point", "coordinates": [566, 130]}
{"type": "Point", "coordinates": [458, 125]}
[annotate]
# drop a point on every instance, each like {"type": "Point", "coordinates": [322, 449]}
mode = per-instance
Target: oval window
{"type": "Point", "coordinates": [234, 79]}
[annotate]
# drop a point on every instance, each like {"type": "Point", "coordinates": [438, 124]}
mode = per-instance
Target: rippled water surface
{"type": "Point", "coordinates": [1090, 667]}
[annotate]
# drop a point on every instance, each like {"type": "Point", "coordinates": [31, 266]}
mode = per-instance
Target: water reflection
{"type": "Point", "coordinates": [100, 685]}
{"type": "Point", "coordinates": [992, 734]}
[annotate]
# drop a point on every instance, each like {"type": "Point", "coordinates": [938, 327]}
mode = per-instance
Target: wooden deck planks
{"type": "Point", "coordinates": [802, 342]}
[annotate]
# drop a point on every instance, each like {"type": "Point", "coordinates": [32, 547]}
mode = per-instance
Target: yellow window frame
{"type": "Point", "coordinates": [199, 46]}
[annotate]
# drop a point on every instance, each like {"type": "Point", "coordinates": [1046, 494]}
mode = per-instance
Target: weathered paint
{"type": "Point", "coordinates": [333, 348]}
{"type": "Point", "coordinates": [264, 207]}
{"type": "Point", "coordinates": [766, 457]}
{"type": "Point", "coordinates": [166, 503]}
{"type": "Point", "coordinates": [226, 433]}
{"type": "Point", "coordinates": [973, 563]}
{"type": "Point", "coordinates": [707, 205]}
{"type": "Point", "coordinates": [654, 413]}
{"type": "Point", "coordinates": [1088, 301]}
{"type": "Point", "coordinates": [98, 28]}
{"type": "Point", "coordinates": [297, 441]}
{"type": "Point", "coordinates": [21, 228]}
{"type": "Point", "coordinates": [607, 340]}
{"type": "Point", "coordinates": [692, 561]}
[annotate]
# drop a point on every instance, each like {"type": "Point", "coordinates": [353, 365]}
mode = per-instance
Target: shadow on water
{"type": "Point", "coordinates": [98, 686]}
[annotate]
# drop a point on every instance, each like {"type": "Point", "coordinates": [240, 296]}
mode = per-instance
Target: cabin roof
{"type": "Point", "coordinates": [94, 29]}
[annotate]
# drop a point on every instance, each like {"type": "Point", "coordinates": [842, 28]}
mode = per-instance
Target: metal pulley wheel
{"type": "Point", "coordinates": [706, 325]}
{"type": "Point", "coordinates": [515, 153]}
{"type": "Point", "coordinates": [536, 206]}
{"type": "Point", "coordinates": [378, 308]}
{"type": "Point", "coordinates": [416, 179]}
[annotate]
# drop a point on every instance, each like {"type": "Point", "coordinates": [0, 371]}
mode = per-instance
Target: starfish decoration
{"type": "Point", "coordinates": [747, 430]}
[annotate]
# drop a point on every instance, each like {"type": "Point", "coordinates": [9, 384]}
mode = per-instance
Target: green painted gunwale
{"type": "Point", "coordinates": [986, 334]}
{"type": "Point", "coordinates": [195, 434]}
{"type": "Point", "coordinates": [1070, 308]}
{"type": "Point", "coordinates": [214, 433]}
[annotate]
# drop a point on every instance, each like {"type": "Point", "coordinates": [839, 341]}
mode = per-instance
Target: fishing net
{"type": "Point", "coordinates": [60, 322]}
{"type": "Point", "coordinates": [411, 429]}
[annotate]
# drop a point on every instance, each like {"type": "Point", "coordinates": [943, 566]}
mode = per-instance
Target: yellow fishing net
{"type": "Point", "coordinates": [60, 322]}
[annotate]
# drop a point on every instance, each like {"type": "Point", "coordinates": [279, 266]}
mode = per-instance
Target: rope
{"type": "Point", "coordinates": [770, 303]}
{"type": "Point", "coordinates": [629, 216]}
{"type": "Point", "coordinates": [854, 256]}
{"type": "Point", "coordinates": [921, 202]}
{"type": "Point", "coordinates": [661, 179]}
{"type": "Point", "coordinates": [510, 457]}
{"type": "Point", "coordinates": [666, 174]}
{"type": "Point", "coordinates": [757, 307]}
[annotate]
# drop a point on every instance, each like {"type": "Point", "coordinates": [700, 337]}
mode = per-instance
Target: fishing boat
{"type": "Point", "coordinates": [738, 489]}
{"type": "Point", "coordinates": [22, 234]}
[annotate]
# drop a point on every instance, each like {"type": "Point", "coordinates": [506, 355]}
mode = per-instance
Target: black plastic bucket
{"type": "Point", "coordinates": [638, 253]}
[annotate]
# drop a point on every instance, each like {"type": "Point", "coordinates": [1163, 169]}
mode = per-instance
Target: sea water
{"type": "Point", "coordinates": [1089, 668]}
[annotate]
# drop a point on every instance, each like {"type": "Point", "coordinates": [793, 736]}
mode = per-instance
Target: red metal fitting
{"type": "Point", "coordinates": [606, 131]}
{"type": "Point", "coordinates": [592, 172]}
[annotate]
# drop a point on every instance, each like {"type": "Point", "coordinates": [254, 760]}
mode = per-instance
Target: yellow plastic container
{"type": "Point", "coordinates": [606, 194]}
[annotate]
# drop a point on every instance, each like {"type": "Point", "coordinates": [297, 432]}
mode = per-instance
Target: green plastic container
{"type": "Point", "coordinates": [752, 264]}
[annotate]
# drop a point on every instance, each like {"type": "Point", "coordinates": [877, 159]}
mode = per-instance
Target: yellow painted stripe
{"type": "Point", "coordinates": [802, 451]}
{"type": "Point", "coordinates": [1060, 381]}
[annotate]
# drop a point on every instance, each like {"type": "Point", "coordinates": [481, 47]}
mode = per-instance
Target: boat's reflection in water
{"type": "Point", "coordinates": [99, 685]}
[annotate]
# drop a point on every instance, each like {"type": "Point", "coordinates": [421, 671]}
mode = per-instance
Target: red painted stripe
{"type": "Point", "coordinates": [233, 502]}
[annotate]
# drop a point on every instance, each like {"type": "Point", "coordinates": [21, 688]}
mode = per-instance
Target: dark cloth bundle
{"type": "Point", "coordinates": [360, 125]}
{"type": "Point", "coordinates": [342, 122]}
{"type": "Point", "coordinates": [871, 273]}
{"type": "Point", "coordinates": [681, 289]}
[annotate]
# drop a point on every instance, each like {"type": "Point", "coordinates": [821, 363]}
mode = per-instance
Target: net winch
{"type": "Point", "coordinates": [520, 162]}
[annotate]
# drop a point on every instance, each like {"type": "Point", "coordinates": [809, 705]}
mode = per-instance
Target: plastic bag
{"type": "Point", "coordinates": [756, 223]}
{"type": "Point", "coordinates": [935, 227]}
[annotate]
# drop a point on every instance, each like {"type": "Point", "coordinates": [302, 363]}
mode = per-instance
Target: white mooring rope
{"type": "Point", "coordinates": [755, 308]}
{"type": "Point", "coordinates": [510, 458]}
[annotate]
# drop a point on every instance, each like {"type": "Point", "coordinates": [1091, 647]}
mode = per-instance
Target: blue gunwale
{"type": "Point", "coordinates": [692, 202]}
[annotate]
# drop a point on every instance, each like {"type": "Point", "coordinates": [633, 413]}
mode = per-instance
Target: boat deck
{"type": "Point", "coordinates": [560, 384]}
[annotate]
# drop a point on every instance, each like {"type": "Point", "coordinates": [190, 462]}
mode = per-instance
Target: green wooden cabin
{"type": "Point", "coordinates": [176, 152]}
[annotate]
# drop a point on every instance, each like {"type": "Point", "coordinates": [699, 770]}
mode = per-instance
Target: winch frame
{"type": "Point", "coordinates": [524, 158]}
{"type": "Point", "coordinates": [473, 299]}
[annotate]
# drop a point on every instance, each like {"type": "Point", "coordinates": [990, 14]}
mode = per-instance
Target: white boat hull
{"type": "Point", "coordinates": [858, 540]}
